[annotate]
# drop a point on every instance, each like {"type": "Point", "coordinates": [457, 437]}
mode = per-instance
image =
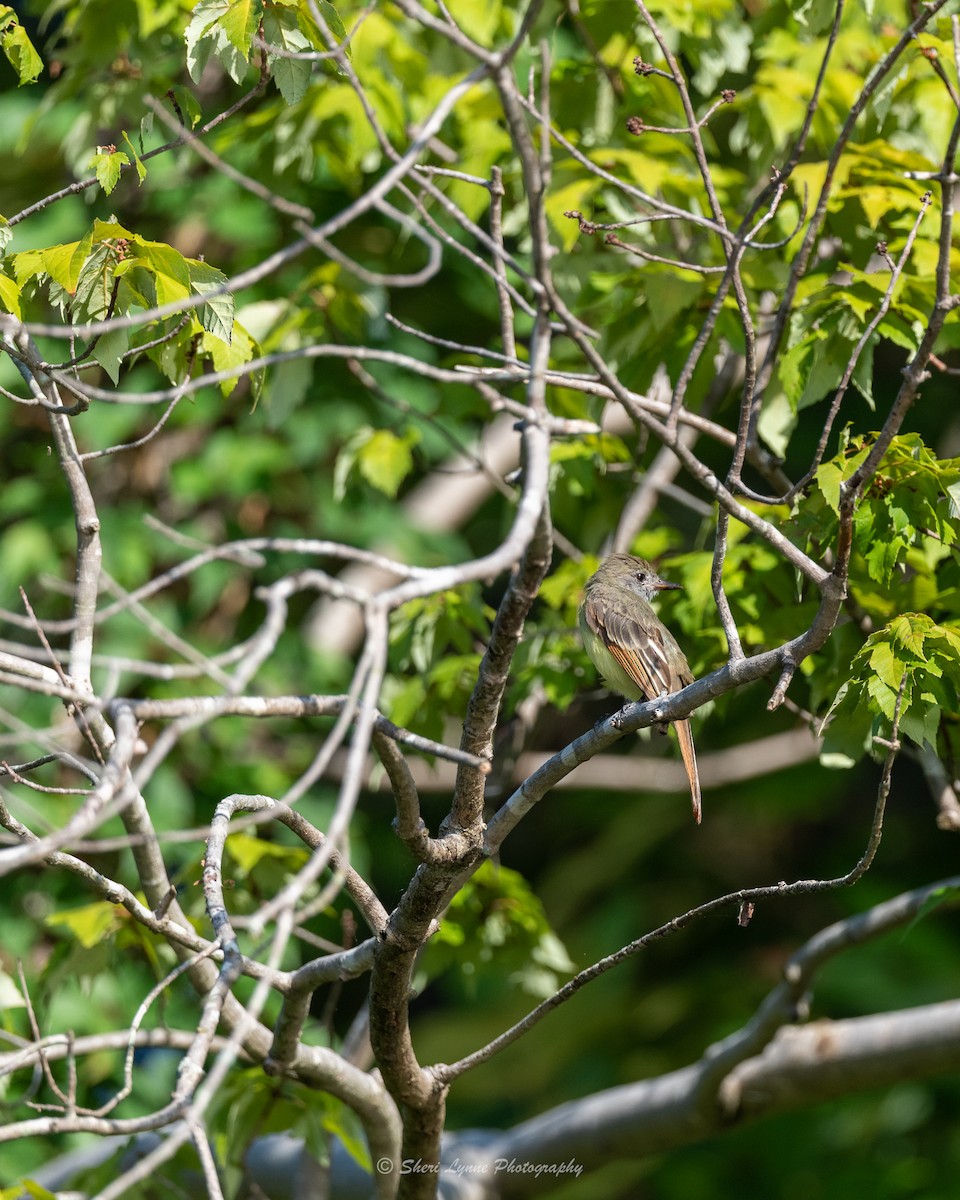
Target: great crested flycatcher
{"type": "Point", "coordinates": [631, 647]}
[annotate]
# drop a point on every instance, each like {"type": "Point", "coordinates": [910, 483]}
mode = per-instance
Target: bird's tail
{"type": "Point", "coordinates": [685, 738]}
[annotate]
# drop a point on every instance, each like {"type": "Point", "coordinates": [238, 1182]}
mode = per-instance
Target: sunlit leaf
{"type": "Point", "coordinates": [108, 163]}
{"type": "Point", "coordinates": [19, 50]}
{"type": "Point", "coordinates": [90, 924]}
{"type": "Point", "coordinates": [281, 29]}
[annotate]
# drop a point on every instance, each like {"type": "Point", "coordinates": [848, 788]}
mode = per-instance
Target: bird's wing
{"type": "Point", "coordinates": [641, 649]}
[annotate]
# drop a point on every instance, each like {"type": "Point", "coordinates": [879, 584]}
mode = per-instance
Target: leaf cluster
{"type": "Point", "coordinates": [496, 935]}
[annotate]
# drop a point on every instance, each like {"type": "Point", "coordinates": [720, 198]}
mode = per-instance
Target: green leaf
{"type": "Point", "coordinates": [385, 459]}
{"type": "Point", "coordinates": [92, 295]}
{"type": "Point", "coordinates": [910, 630]}
{"type": "Point", "coordinates": [332, 18]}
{"type": "Point", "coordinates": [403, 700]}
{"type": "Point", "coordinates": [953, 496]}
{"type": "Point", "coordinates": [778, 419]}
{"type": "Point", "coordinates": [90, 924]}
{"type": "Point", "coordinates": [216, 315]}
{"type": "Point", "coordinates": [669, 294]}
{"type": "Point", "coordinates": [63, 263]}
{"type": "Point", "coordinates": [233, 353]}
{"type": "Point", "coordinates": [878, 201]}
{"type": "Point", "coordinates": [882, 557]}
{"type": "Point", "coordinates": [922, 722]}
{"type": "Point", "coordinates": [240, 23]}
{"type": "Point", "coordinates": [68, 271]}
{"type": "Point", "coordinates": [564, 586]}
{"type": "Point", "coordinates": [569, 198]}
{"type": "Point", "coordinates": [18, 48]}
{"type": "Point", "coordinates": [102, 231]}
{"type": "Point", "coordinates": [499, 923]}
{"type": "Point", "coordinates": [29, 1188]}
{"type": "Point", "coordinates": [885, 663]}
{"type": "Point", "coordinates": [141, 169]}
{"type": "Point", "coordinates": [815, 13]}
{"type": "Point", "coordinates": [248, 851]}
{"type": "Point", "coordinates": [9, 295]}
{"type": "Point", "coordinates": [883, 697]}
{"type": "Point", "coordinates": [382, 457]}
{"type": "Point", "coordinates": [107, 163]}
{"type": "Point", "coordinates": [338, 1118]}
{"type": "Point", "coordinates": [170, 270]}
{"type": "Point", "coordinates": [830, 476]}
{"type": "Point", "coordinates": [109, 350]}
{"type": "Point", "coordinates": [257, 1106]}
{"type": "Point", "coordinates": [292, 75]}
{"type": "Point", "coordinates": [187, 106]}
{"type": "Point", "coordinates": [207, 34]}
{"type": "Point", "coordinates": [453, 676]}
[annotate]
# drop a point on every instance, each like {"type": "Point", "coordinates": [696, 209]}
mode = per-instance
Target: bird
{"type": "Point", "coordinates": [635, 653]}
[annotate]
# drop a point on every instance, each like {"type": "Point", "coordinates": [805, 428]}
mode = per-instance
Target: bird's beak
{"type": "Point", "coordinates": [662, 586]}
